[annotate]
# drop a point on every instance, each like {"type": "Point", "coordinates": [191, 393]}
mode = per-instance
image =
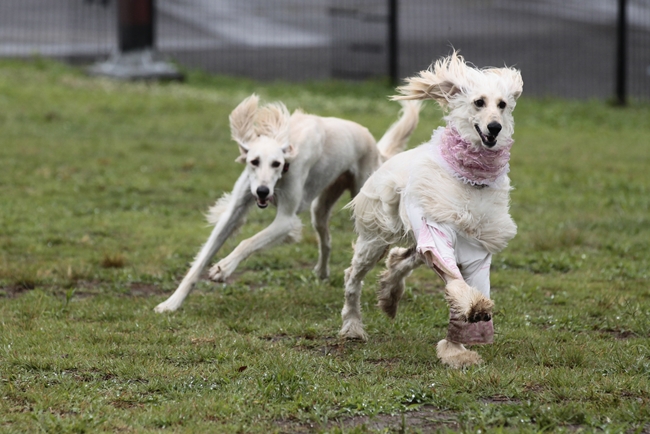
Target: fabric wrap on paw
{"type": "Point", "coordinates": [467, 333]}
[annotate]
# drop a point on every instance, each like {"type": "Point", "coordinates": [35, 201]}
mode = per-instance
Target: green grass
{"type": "Point", "coordinates": [103, 189]}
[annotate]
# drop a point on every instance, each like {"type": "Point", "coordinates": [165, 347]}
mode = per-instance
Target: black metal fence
{"type": "Point", "coordinates": [563, 47]}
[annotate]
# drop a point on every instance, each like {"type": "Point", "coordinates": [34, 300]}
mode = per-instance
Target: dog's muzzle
{"type": "Point", "coordinates": [490, 139]}
{"type": "Point", "coordinates": [262, 196]}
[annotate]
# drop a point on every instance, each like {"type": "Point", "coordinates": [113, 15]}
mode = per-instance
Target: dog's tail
{"type": "Point", "coordinates": [396, 138]}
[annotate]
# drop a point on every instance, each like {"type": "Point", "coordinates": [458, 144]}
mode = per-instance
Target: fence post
{"type": "Point", "coordinates": [136, 56]}
{"type": "Point", "coordinates": [135, 25]}
{"type": "Point", "coordinates": [393, 43]}
{"type": "Point", "coordinates": [621, 53]}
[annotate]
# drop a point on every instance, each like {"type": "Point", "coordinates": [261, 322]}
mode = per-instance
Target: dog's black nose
{"type": "Point", "coordinates": [262, 191]}
{"type": "Point", "coordinates": [494, 128]}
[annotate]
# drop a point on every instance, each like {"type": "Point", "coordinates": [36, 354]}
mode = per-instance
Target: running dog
{"type": "Point", "coordinates": [294, 162]}
{"type": "Point", "coordinates": [447, 199]}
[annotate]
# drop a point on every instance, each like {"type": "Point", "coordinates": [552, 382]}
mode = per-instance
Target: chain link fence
{"type": "Point", "coordinates": [563, 47]}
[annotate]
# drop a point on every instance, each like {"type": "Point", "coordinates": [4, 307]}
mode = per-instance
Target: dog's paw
{"type": "Point", "coordinates": [389, 293]}
{"type": "Point", "coordinates": [456, 355]}
{"type": "Point", "coordinates": [481, 310]}
{"type": "Point", "coordinates": [323, 273]}
{"type": "Point", "coordinates": [467, 303]}
{"type": "Point", "coordinates": [166, 306]}
{"type": "Point", "coordinates": [218, 274]}
{"type": "Point", "coordinates": [353, 330]}
{"type": "Point", "coordinates": [389, 306]}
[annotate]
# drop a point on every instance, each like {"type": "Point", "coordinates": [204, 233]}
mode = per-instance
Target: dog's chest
{"type": "Point", "coordinates": [485, 216]}
{"type": "Point", "coordinates": [480, 207]}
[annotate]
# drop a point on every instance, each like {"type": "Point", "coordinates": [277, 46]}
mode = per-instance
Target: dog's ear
{"type": "Point", "coordinates": [242, 124]}
{"type": "Point", "coordinates": [514, 82]}
{"type": "Point", "coordinates": [243, 153]}
{"type": "Point", "coordinates": [274, 121]}
{"type": "Point", "coordinates": [425, 86]}
{"type": "Point", "coordinates": [441, 82]}
{"type": "Point", "coordinates": [289, 152]}
{"type": "Point", "coordinates": [517, 83]}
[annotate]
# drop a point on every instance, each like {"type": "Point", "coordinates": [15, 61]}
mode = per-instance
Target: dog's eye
{"type": "Point", "coordinates": [479, 103]}
{"type": "Point", "coordinates": [255, 162]}
{"type": "Point", "coordinates": [502, 105]}
{"type": "Point", "coordinates": [275, 164]}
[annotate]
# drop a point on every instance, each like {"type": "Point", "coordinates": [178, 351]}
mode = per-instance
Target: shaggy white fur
{"type": "Point", "coordinates": [479, 104]}
{"type": "Point", "coordinates": [294, 162]}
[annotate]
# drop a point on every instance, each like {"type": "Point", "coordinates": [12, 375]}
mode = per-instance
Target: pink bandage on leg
{"type": "Point", "coordinates": [442, 249]}
{"type": "Point", "coordinates": [469, 333]}
{"type": "Point", "coordinates": [436, 247]}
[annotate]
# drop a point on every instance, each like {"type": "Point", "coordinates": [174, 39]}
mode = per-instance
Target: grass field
{"type": "Point", "coordinates": [104, 186]}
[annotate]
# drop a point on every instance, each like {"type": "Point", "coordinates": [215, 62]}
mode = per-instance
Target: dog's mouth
{"type": "Point", "coordinates": [263, 203]}
{"type": "Point", "coordinates": [488, 139]}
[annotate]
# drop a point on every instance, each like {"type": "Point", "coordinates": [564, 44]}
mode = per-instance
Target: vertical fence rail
{"type": "Point", "coordinates": [393, 43]}
{"type": "Point", "coordinates": [621, 53]}
{"type": "Point", "coordinates": [135, 24]}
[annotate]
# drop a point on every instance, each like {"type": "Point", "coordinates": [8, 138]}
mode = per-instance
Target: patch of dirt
{"type": "Point", "coordinates": [84, 289]}
{"type": "Point", "coordinates": [126, 404]}
{"type": "Point", "coordinates": [620, 334]}
{"type": "Point", "coordinates": [276, 338]}
{"type": "Point", "coordinates": [499, 399]}
{"type": "Point", "coordinates": [424, 419]}
{"type": "Point", "coordinates": [12, 291]}
{"type": "Point", "coordinates": [18, 404]}
{"type": "Point", "coordinates": [534, 387]}
{"type": "Point", "coordinates": [323, 346]}
{"type": "Point", "coordinates": [330, 350]}
{"type": "Point", "coordinates": [139, 289]}
{"type": "Point", "coordinates": [384, 361]}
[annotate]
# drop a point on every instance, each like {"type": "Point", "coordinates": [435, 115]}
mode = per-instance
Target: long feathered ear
{"type": "Point", "coordinates": [242, 124]}
{"type": "Point", "coordinates": [512, 79]}
{"type": "Point", "coordinates": [274, 120]}
{"type": "Point", "coordinates": [441, 82]}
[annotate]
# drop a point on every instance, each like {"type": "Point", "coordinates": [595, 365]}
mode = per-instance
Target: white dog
{"type": "Point", "coordinates": [448, 199]}
{"type": "Point", "coordinates": [292, 161]}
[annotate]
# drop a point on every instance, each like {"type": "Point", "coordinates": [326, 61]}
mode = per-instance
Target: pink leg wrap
{"type": "Point", "coordinates": [468, 333]}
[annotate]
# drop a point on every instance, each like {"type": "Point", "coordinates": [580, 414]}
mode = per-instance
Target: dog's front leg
{"type": "Point", "coordinates": [466, 303]}
{"type": "Point", "coordinates": [282, 227]}
{"type": "Point", "coordinates": [469, 323]}
{"type": "Point", "coordinates": [240, 201]}
{"type": "Point", "coordinates": [470, 310]}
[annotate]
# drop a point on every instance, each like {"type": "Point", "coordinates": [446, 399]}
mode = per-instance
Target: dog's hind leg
{"type": "Point", "coordinates": [366, 254]}
{"type": "Point", "coordinates": [321, 209]}
{"type": "Point", "coordinates": [399, 264]}
{"type": "Point", "coordinates": [235, 211]}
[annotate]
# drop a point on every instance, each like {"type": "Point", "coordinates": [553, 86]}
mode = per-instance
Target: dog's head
{"type": "Point", "coordinates": [479, 102]}
{"type": "Point", "coordinates": [262, 134]}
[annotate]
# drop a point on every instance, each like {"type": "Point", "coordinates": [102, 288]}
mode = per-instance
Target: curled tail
{"type": "Point", "coordinates": [395, 139]}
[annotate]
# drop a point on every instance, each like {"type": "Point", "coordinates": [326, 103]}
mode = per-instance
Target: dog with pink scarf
{"type": "Point", "coordinates": [444, 204]}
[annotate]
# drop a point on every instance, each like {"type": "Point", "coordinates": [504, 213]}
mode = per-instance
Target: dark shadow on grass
{"type": "Point", "coordinates": [423, 419]}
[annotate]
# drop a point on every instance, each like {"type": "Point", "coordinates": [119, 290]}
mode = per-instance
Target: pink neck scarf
{"type": "Point", "coordinates": [476, 166]}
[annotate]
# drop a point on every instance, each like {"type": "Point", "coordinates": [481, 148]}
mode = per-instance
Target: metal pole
{"type": "Point", "coordinates": [393, 48]}
{"type": "Point", "coordinates": [136, 58]}
{"type": "Point", "coordinates": [135, 25]}
{"type": "Point", "coordinates": [621, 53]}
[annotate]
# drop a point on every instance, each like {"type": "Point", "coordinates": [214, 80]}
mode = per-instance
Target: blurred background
{"type": "Point", "coordinates": [567, 48]}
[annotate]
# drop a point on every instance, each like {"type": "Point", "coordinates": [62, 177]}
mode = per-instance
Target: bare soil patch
{"type": "Point", "coordinates": [424, 419]}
